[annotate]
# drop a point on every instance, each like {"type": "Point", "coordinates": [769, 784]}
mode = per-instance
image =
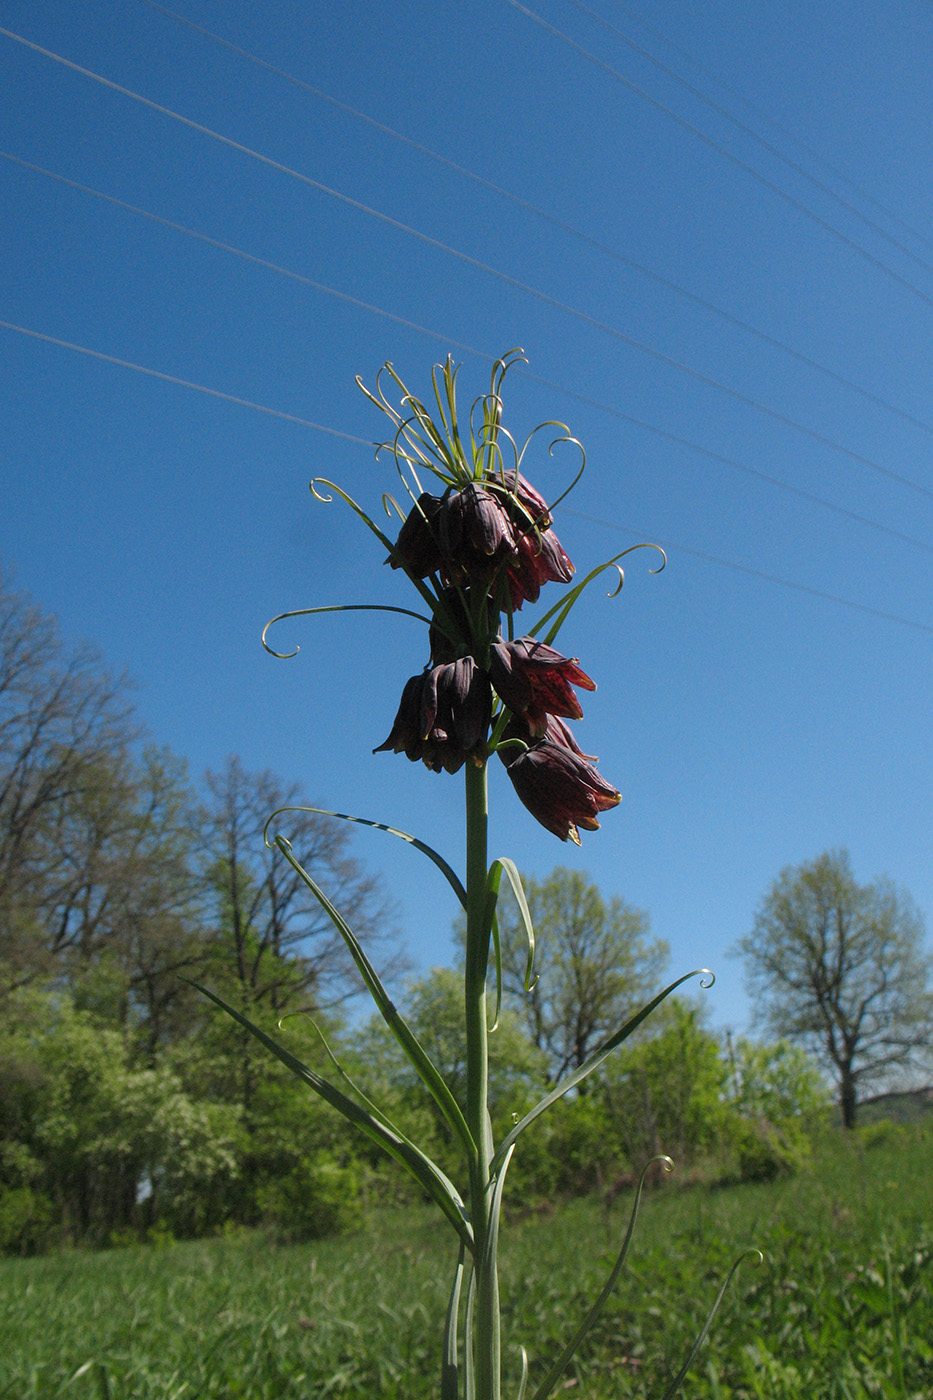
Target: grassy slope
{"type": "Point", "coordinates": [843, 1305]}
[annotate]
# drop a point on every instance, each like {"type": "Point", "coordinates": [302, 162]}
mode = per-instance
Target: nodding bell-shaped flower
{"type": "Point", "coordinates": [539, 559]}
{"type": "Point", "coordinates": [556, 729]}
{"type": "Point", "coordinates": [416, 546]}
{"type": "Point", "coordinates": [444, 716]}
{"type": "Point", "coordinates": [474, 534]}
{"type": "Point", "coordinates": [467, 535]}
{"type": "Point", "coordinates": [535, 681]}
{"type": "Point", "coordinates": [511, 487]}
{"type": "Point", "coordinates": [560, 789]}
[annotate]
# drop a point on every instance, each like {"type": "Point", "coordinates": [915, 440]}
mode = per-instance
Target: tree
{"type": "Point", "coordinates": [839, 968]}
{"type": "Point", "coordinates": [776, 1082]}
{"type": "Point", "coordinates": [274, 936]}
{"type": "Point", "coordinates": [433, 1007]}
{"type": "Point", "coordinates": [122, 908]}
{"type": "Point", "coordinates": [594, 960]}
{"type": "Point", "coordinates": [271, 946]}
{"type": "Point", "coordinates": [664, 1091]}
{"type": "Point", "coordinates": [61, 714]}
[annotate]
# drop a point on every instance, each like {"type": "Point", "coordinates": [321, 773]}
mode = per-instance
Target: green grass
{"type": "Point", "coordinates": [842, 1306]}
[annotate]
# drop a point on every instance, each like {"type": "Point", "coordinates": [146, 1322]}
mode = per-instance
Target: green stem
{"type": "Point", "coordinates": [486, 1311]}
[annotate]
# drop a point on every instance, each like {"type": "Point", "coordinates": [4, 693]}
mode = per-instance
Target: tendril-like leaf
{"type": "Point", "coordinates": [374, 1109]}
{"type": "Point", "coordinates": [523, 1383]}
{"type": "Point", "coordinates": [450, 1388]}
{"type": "Point", "coordinates": [497, 957]}
{"type": "Point", "coordinates": [333, 607]}
{"type": "Point", "coordinates": [566, 1356]}
{"type": "Point", "coordinates": [469, 1373]}
{"type": "Point", "coordinates": [496, 1186]}
{"type": "Point", "coordinates": [427, 1173]}
{"type": "Point", "coordinates": [594, 1061]}
{"type": "Point", "coordinates": [382, 538]}
{"type": "Point", "coordinates": [449, 874]}
{"type": "Point", "coordinates": [507, 867]}
{"type": "Point", "coordinates": [561, 611]}
{"type": "Point", "coordinates": [415, 1052]}
{"type": "Point", "coordinates": [676, 1383]}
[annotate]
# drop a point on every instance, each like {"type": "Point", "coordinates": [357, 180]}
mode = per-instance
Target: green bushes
{"type": "Point", "coordinates": [96, 1145]}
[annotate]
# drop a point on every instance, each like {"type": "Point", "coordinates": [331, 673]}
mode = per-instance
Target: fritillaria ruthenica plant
{"type": "Point", "coordinates": [476, 540]}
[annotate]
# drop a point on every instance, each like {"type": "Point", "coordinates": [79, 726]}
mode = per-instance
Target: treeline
{"type": "Point", "coordinates": [131, 1107]}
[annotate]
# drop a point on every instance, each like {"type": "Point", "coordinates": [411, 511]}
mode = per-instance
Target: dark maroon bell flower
{"type": "Point", "coordinates": [561, 733]}
{"type": "Point", "coordinates": [444, 716]}
{"type": "Point", "coordinates": [539, 558]}
{"type": "Point", "coordinates": [474, 534]}
{"type": "Point", "coordinates": [560, 789]}
{"type": "Point", "coordinates": [533, 507]}
{"type": "Point", "coordinates": [534, 681]}
{"type": "Point", "coordinates": [416, 546]}
{"type": "Point", "coordinates": [406, 736]}
{"type": "Point", "coordinates": [556, 729]}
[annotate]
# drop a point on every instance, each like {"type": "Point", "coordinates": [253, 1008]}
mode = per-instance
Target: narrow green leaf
{"type": "Point", "coordinates": [469, 1374]}
{"type": "Point", "coordinates": [508, 867]}
{"type": "Point", "coordinates": [593, 1062]}
{"type": "Point", "coordinates": [523, 1383]}
{"type": "Point", "coordinates": [374, 1109]}
{"type": "Point", "coordinates": [562, 1362]}
{"type": "Point", "coordinates": [426, 1172]}
{"type": "Point", "coordinates": [676, 1383]}
{"type": "Point", "coordinates": [449, 875]}
{"type": "Point", "coordinates": [450, 1366]}
{"type": "Point", "coordinates": [383, 539]}
{"type": "Point", "coordinates": [334, 607]}
{"type": "Point", "coordinates": [497, 958]}
{"type": "Point", "coordinates": [417, 1056]}
{"type": "Point", "coordinates": [497, 1183]}
{"type": "Point", "coordinates": [561, 610]}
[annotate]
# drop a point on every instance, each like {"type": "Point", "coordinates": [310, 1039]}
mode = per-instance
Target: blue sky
{"type": "Point", "coordinates": [741, 342]}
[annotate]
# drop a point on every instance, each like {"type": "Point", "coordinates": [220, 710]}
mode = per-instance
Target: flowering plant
{"type": "Point", "coordinates": [477, 548]}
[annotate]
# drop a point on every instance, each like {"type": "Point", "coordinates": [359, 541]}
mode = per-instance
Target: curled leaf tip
{"type": "Point", "coordinates": [279, 655]}
{"type": "Point", "coordinates": [319, 495]}
{"type": "Point", "coordinates": [707, 978]}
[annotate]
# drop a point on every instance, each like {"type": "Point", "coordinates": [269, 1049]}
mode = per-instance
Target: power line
{"type": "Point", "coordinates": [722, 150]}
{"type": "Point", "coordinates": [753, 573]}
{"type": "Point", "coordinates": [350, 437]}
{"type": "Point", "coordinates": [788, 134]}
{"type": "Point", "coordinates": [543, 214]}
{"type": "Point", "coordinates": [345, 297]}
{"type": "Point", "coordinates": [506, 278]}
{"type": "Point", "coordinates": [756, 136]}
{"type": "Point", "coordinates": [183, 383]}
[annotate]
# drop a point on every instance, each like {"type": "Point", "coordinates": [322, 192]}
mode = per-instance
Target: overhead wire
{"type": "Point", "coordinates": [504, 277]}
{"type": "Point", "coordinates": [717, 146]}
{"type": "Point", "coordinates": [182, 383]}
{"type": "Point", "coordinates": [487, 356]}
{"type": "Point", "coordinates": [789, 135]}
{"type": "Point", "coordinates": [756, 136]}
{"type": "Point", "coordinates": [658, 278]}
{"type": "Point", "coordinates": [754, 573]}
{"type": "Point", "coordinates": [350, 437]}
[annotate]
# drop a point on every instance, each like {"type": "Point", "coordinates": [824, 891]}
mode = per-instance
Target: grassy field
{"type": "Point", "coordinates": [842, 1306]}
